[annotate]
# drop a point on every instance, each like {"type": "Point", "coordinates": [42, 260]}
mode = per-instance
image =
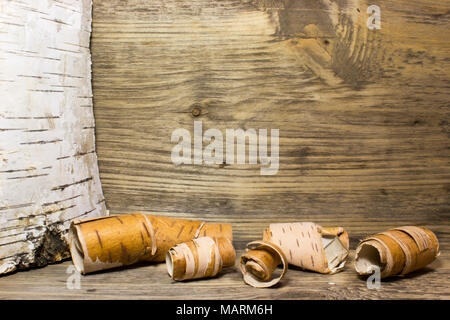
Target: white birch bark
{"type": "Point", "coordinates": [48, 164]}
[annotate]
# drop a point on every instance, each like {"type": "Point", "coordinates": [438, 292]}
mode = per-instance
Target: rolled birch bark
{"type": "Point", "coordinates": [259, 263]}
{"type": "Point", "coordinates": [114, 241]}
{"type": "Point", "coordinates": [203, 257]}
{"type": "Point", "coordinates": [397, 251]}
{"type": "Point", "coordinates": [309, 246]}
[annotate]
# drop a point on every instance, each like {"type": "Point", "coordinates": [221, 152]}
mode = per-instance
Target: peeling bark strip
{"type": "Point", "coordinates": [109, 242]}
{"type": "Point", "coordinates": [259, 263]}
{"type": "Point", "coordinates": [44, 46]}
{"type": "Point", "coordinates": [324, 250]}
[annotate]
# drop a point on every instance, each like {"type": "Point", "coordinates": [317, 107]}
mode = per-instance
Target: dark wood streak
{"type": "Point", "coordinates": [125, 256]}
{"type": "Point", "coordinates": [179, 233]}
{"type": "Point", "coordinates": [120, 220]}
{"type": "Point", "coordinates": [146, 230]}
{"type": "Point", "coordinates": [99, 240]}
{"type": "Point", "coordinates": [142, 239]}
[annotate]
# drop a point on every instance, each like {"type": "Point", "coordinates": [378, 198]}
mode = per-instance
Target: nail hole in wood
{"type": "Point", "coordinates": [196, 111]}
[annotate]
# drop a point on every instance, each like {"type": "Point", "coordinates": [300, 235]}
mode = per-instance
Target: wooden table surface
{"type": "Point", "coordinates": [151, 281]}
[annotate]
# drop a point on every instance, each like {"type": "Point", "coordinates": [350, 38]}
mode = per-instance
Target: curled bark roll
{"type": "Point", "coordinates": [171, 231]}
{"type": "Point", "coordinates": [397, 251]}
{"type": "Point", "coordinates": [203, 257]}
{"type": "Point", "coordinates": [309, 246]}
{"type": "Point", "coordinates": [259, 263]}
{"type": "Point", "coordinates": [114, 241]}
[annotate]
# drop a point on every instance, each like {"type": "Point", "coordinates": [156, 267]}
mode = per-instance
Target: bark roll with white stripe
{"type": "Point", "coordinates": [200, 258]}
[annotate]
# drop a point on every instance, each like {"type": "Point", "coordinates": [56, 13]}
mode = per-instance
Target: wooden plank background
{"type": "Point", "coordinates": [363, 115]}
{"type": "Point", "coordinates": [363, 118]}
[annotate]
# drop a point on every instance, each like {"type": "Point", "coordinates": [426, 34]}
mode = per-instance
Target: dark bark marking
{"type": "Point", "coordinates": [99, 239]}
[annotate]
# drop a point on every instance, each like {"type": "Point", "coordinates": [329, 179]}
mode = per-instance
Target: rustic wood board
{"type": "Point", "coordinates": [151, 281]}
{"type": "Point", "coordinates": [48, 165]}
{"type": "Point", "coordinates": [363, 115]}
{"type": "Point", "coordinates": [363, 118]}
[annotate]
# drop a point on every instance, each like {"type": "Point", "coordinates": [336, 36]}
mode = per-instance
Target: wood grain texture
{"type": "Point", "coordinates": [48, 165]}
{"type": "Point", "coordinates": [363, 115]}
{"type": "Point", "coordinates": [363, 118]}
{"type": "Point", "coordinates": [151, 281]}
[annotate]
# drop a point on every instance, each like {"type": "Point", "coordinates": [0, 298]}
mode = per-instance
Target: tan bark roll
{"type": "Point", "coordinates": [309, 246]}
{"type": "Point", "coordinates": [397, 251]}
{"type": "Point", "coordinates": [259, 263]}
{"type": "Point", "coordinates": [114, 241]}
{"type": "Point", "coordinates": [203, 257]}
{"type": "Point", "coordinates": [171, 231]}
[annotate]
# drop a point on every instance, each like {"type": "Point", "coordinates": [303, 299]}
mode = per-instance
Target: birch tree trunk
{"type": "Point", "coordinates": [48, 163]}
